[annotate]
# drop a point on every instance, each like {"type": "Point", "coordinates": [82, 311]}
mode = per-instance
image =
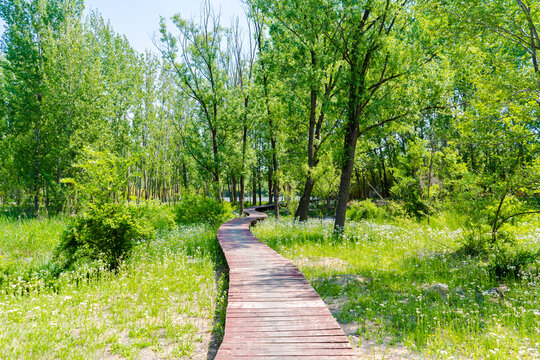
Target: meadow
{"type": "Point", "coordinates": [402, 284]}
{"type": "Point", "coordinates": [399, 287]}
{"type": "Point", "coordinates": [162, 302]}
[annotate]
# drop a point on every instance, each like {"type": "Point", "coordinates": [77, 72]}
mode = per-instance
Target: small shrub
{"type": "Point", "coordinates": [364, 210]}
{"type": "Point", "coordinates": [475, 243]}
{"type": "Point", "coordinates": [409, 191]}
{"type": "Point", "coordinates": [394, 209]}
{"type": "Point", "coordinates": [159, 216]}
{"type": "Point", "coordinates": [509, 261]}
{"type": "Point", "coordinates": [107, 233]}
{"type": "Point", "coordinates": [202, 209]}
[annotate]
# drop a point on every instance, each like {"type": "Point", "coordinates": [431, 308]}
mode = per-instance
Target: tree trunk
{"type": "Point", "coordinates": [260, 186]}
{"type": "Point", "coordinates": [276, 180]}
{"type": "Point", "coordinates": [164, 189]}
{"type": "Point", "coordinates": [242, 193]}
{"type": "Point", "coordinates": [217, 185]}
{"type": "Point", "coordinates": [386, 190]}
{"type": "Point", "coordinates": [357, 175]}
{"type": "Point", "coordinates": [430, 175]}
{"type": "Point", "coordinates": [185, 175]}
{"type": "Point", "coordinates": [244, 149]}
{"type": "Point", "coordinates": [37, 165]}
{"type": "Point", "coordinates": [254, 188]}
{"type": "Point", "coordinates": [270, 183]}
{"type": "Point", "coordinates": [356, 89]}
{"type": "Point", "coordinates": [364, 190]}
{"type": "Point", "coordinates": [233, 200]}
{"type": "Point", "coordinates": [303, 207]}
{"type": "Point", "coordinates": [346, 174]}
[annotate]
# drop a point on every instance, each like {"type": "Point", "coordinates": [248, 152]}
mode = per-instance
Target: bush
{"type": "Point", "coordinates": [509, 262]}
{"type": "Point", "coordinates": [202, 209]}
{"type": "Point", "coordinates": [107, 233]}
{"type": "Point", "coordinates": [368, 210]}
{"type": "Point", "coordinates": [159, 216]}
{"type": "Point", "coordinates": [475, 243]}
{"type": "Point", "coordinates": [364, 210]}
{"type": "Point", "coordinates": [409, 191]}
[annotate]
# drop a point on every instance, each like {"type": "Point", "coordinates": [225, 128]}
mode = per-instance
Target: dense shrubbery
{"type": "Point", "coordinates": [159, 216]}
{"type": "Point", "coordinates": [506, 259]}
{"type": "Point", "coordinates": [475, 243]}
{"type": "Point", "coordinates": [369, 210]}
{"type": "Point", "coordinates": [197, 209]}
{"type": "Point", "coordinates": [364, 210]}
{"type": "Point", "coordinates": [107, 233]}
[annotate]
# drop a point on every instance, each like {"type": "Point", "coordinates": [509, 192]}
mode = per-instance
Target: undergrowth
{"type": "Point", "coordinates": [383, 275]}
{"type": "Point", "coordinates": [162, 299]}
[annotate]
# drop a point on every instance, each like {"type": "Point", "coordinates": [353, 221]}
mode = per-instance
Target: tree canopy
{"type": "Point", "coordinates": [430, 105]}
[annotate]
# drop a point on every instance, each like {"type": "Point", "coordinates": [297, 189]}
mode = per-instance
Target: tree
{"type": "Point", "coordinates": [29, 25]}
{"type": "Point", "coordinates": [202, 75]}
{"type": "Point", "coordinates": [378, 41]}
{"type": "Point", "coordinates": [242, 88]}
{"type": "Point", "coordinates": [498, 123]}
{"type": "Point", "coordinates": [296, 31]}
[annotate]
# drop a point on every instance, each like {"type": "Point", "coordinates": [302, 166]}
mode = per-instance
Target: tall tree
{"type": "Point", "coordinates": [377, 41]}
{"type": "Point", "coordinates": [28, 26]}
{"type": "Point", "coordinates": [296, 31]}
{"type": "Point", "coordinates": [202, 74]}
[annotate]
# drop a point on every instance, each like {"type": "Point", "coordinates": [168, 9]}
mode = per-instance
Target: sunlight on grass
{"type": "Point", "coordinates": [379, 278]}
{"type": "Point", "coordinates": [161, 302]}
{"type": "Point", "coordinates": [28, 243]}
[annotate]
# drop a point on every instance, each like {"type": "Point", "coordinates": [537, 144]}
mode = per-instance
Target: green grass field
{"type": "Point", "coordinates": [382, 281]}
{"type": "Point", "coordinates": [161, 303]}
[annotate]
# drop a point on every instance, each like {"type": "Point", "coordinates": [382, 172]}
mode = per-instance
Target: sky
{"type": "Point", "coordinates": [139, 19]}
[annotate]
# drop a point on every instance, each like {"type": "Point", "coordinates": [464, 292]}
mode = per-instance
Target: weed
{"type": "Point", "coordinates": [150, 302]}
{"type": "Point", "coordinates": [386, 286]}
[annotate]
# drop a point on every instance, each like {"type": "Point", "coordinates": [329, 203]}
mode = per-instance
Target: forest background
{"type": "Point", "coordinates": [419, 102]}
{"type": "Point", "coordinates": [399, 140]}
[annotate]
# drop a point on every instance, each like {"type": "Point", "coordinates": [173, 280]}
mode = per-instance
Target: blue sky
{"type": "Point", "coordinates": [139, 19]}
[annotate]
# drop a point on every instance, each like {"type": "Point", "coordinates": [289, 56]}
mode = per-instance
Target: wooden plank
{"type": "Point", "coordinates": [283, 357]}
{"type": "Point", "coordinates": [286, 351]}
{"type": "Point", "coordinates": [273, 312]}
{"type": "Point", "coordinates": [292, 347]}
{"type": "Point", "coordinates": [288, 339]}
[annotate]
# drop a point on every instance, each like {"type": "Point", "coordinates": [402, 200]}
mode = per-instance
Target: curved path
{"type": "Point", "coordinates": [273, 312]}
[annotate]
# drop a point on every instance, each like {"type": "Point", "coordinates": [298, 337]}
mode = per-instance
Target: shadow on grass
{"type": "Point", "coordinates": [11, 212]}
{"type": "Point", "coordinates": [403, 306]}
{"type": "Point", "coordinates": [221, 277]}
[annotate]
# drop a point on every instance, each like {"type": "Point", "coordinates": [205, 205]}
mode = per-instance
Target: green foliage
{"type": "Point", "coordinates": [202, 209]}
{"type": "Point", "coordinates": [408, 190]}
{"type": "Point", "coordinates": [475, 243]}
{"type": "Point", "coordinates": [101, 179]}
{"type": "Point", "coordinates": [158, 216]}
{"type": "Point", "coordinates": [508, 261]}
{"type": "Point", "coordinates": [104, 233]}
{"type": "Point", "coordinates": [370, 210]}
{"type": "Point", "coordinates": [364, 210]}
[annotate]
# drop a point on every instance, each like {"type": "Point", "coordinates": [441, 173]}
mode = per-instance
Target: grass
{"type": "Point", "coordinates": [379, 278]}
{"type": "Point", "coordinates": [161, 303]}
{"type": "Point", "coordinates": [26, 244]}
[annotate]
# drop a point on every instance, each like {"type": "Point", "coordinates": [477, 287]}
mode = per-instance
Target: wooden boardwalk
{"type": "Point", "coordinates": [273, 312]}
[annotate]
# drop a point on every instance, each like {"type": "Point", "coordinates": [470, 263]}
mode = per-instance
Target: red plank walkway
{"type": "Point", "coordinates": [273, 312]}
